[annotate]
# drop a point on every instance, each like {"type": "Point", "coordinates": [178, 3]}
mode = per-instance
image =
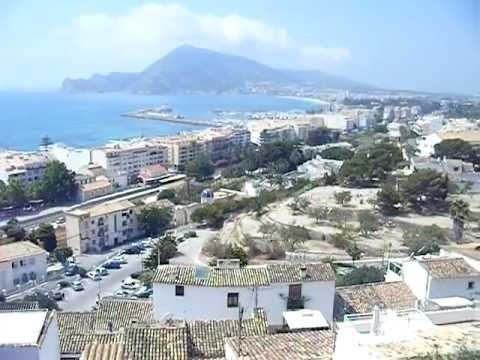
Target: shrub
{"type": "Point", "coordinates": [82, 272]}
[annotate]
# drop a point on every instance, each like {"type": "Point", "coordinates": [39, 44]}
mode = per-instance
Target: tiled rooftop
{"type": "Point", "coordinates": [316, 345]}
{"type": "Point", "coordinates": [71, 343]}
{"type": "Point", "coordinates": [76, 322]}
{"type": "Point", "coordinates": [121, 313]}
{"type": "Point", "coordinates": [19, 249]}
{"type": "Point", "coordinates": [96, 351]}
{"type": "Point", "coordinates": [19, 306]}
{"type": "Point", "coordinates": [362, 298]}
{"type": "Point", "coordinates": [260, 275]}
{"type": "Point", "coordinates": [448, 268]}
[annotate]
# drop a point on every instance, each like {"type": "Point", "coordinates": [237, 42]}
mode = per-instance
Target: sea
{"type": "Point", "coordinates": [89, 120]}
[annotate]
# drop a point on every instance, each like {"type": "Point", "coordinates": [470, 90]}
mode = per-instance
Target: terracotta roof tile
{"type": "Point", "coordinates": [121, 313]}
{"type": "Point", "coordinates": [19, 306]}
{"type": "Point", "coordinates": [316, 345]}
{"type": "Point", "coordinates": [259, 275]}
{"type": "Point", "coordinates": [76, 343]}
{"type": "Point", "coordinates": [448, 268]}
{"type": "Point", "coordinates": [96, 351]}
{"type": "Point", "coordinates": [362, 298]}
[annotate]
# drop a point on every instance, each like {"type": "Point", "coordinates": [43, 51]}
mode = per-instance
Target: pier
{"type": "Point", "coordinates": [160, 117]}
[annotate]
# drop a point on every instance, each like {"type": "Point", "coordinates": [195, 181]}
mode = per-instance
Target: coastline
{"type": "Point", "coordinates": [305, 99]}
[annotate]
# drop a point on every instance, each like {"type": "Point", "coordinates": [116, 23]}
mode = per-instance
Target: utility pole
{"type": "Point", "coordinates": [240, 318]}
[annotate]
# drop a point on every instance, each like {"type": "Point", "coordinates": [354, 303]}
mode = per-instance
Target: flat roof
{"type": "Point", "coordinates": [104, 208]}
{"type": "Point", "coordinates": [24, 328]}
{"type": "Point", "coordinates": [305, 319]}
{"type": "Point", "coordinates": [19, 249]}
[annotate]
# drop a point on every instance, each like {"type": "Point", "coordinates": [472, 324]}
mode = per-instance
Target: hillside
{"type": "Point", "coordinates": [188, 69]}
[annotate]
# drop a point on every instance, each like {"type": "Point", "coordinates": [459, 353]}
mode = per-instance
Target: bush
{"type": "Point", "coordinates": [190, 234]}
{"type": "Point", "coordinates": [63, 284]}
{"type": "Point", "coordinates": [136, 274]}
{"type": "Point", "coordinates": [44, 302]}
{"type": "Point", "coordinates": [362, 275]}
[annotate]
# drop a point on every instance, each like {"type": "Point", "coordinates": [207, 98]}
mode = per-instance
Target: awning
{"type": "Point", "coordinates": [305, 319]}
{"type": "Point", "coordinates": [452, 302]}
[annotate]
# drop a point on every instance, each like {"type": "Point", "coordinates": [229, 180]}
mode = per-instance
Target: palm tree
{"type": "Point", "coordinates": [460, 213]}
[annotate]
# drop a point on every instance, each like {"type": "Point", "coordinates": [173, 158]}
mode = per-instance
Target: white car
{"type": "Point", "coordinates": [130, 284]}
{"type": "Point", "coordinates": [95, 276]}
{"type": "Point", "coordinates": [101, 271]}
{"type": "Point", "coordinates": [123, 293]}
{"type": "Point", "coordinates": [120, 259]}
{"type": "Point", "coordinates": [77, 285]}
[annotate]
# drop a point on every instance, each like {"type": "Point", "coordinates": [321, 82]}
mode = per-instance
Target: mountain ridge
{"type": "Point", "coordinates": [189, 69]}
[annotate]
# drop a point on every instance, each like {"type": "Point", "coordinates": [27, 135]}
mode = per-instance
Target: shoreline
{"type": "Point", "coordinates": [305, 99]}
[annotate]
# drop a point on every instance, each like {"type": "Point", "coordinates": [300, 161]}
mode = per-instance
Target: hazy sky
{"type": "Point", "coordinates": [405, 44]}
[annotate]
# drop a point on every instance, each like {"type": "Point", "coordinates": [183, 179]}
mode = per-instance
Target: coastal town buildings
{"type": "Point", "coordinates": [24, 167]}
{"type": "Point", "coordinates": [29, 335]}
{"type": "Point", "coordinates": [227, 287]}
{"type": "Point", "coordinates": [21, 262]}
{"type": "Point", "coordinates": [129, 157]}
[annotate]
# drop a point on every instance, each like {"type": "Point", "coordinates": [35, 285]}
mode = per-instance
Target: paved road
{"type": "Point", "coordinates": [190, 250]}
{"type": "Point", "coordinates": [84, 300]}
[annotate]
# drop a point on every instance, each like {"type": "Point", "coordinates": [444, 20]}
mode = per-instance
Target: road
{"type": "Point", "coordinates": [84, 300]}
{"type": "Point", "coordinates": [190, 250]}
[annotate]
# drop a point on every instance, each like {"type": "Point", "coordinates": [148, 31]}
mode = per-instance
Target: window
{"type": "Point", "coordinates": [22, 263]}
{"type": "Point", "coordinates": [14, 264]}
{"type": "Point", "coordinates": [232, 300]}
{"type": "Point", "coordinates": [295, 300]}
{"type": "Point", "coordinates": [33, 276]}
{"type": "Point", "coordinates": [179, 290]}
{"type": "Point", "coordinates": [471, 285]}
{"type": "Point", "coordinates": [32, 261]}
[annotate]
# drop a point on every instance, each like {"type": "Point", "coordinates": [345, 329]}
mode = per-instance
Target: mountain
{"type": "Point", "coordinates": [188, 69]}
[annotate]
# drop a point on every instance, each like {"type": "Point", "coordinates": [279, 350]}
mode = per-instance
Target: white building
{"type": "Point", "coordinates": [129, 157]}
{"type": "Point", "coordinates": [101, 227]}
{"type": "Point", "coordinates": [22, 166]}
{"type": "Point", "coordinates": [29, 335]}
{"type": "Point", "coordinates": [432, 278]}
{"type": "Point", "coordinates": [20, 263]}
{"type": "Point", "coordinates": [202, 293]}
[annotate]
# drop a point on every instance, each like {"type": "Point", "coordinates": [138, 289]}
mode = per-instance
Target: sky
{"type": "Point", "coordinates": [429, 45]}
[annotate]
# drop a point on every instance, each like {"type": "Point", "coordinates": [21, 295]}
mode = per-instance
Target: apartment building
{"type": "Point", "coordinates": [101, 227]}
{"type": "Point", "coordinates": [223, 289]}
{"type": "Point", "coordinates": [214, 143]}
{"type": "Point", "coordinates": [22, 166]}
{"type": "Point", "coordinates": [21, 262]}
{"type": "Point", "coordinates": [129, 157]}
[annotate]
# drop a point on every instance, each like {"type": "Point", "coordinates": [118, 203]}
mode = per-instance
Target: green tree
{"type": "Point", "coordinates": [389, 200]}
{"type": "Point", "coordinates": [353, 251]}
{"type": "Point", "coordinates": [165, 249]}
{"type": "Point", "coordinates": [425, 240]}
{"type": "Point", "coordinates": [267, 230]}
{"type": "Point", "coordinates": [168, 194]}
{"type": "Point", "coordinates": [460, 214]}
{"type": "Point", "coordinates": [44, 301]}
{"type": "Point", "coordinates": [16, 193]}
{"type": "Point", "coordinates": [46, 235]}
{"type": "Point", "coordinates": [57, 184]}
{"type": "Point", "coordinates": [368, 223]}
{"type": "Point", "coordinates": [200, 168]}
{"type": "Point", "coordinates": [425, 190]}
{"type": "Point", "coordinates": [337, 153]}
{"type": "Point", "coordinates": [362, 275]}
{"type": "Point", "coordinates": [455, 149]}
{"type": "Point", "coordinates": [319, 213]}
{"type": "Point", "coordinates": [343, 197]}
{"type": "Point", "coordinates": [154, 220]}
{"type": "Point", "coordinates": [236, 252]}
{"type": "Point", "coordinates": [212, 213]}
{"type": "Point", "coordinates": [293, 236]}
{"type": "Point", "coordinates": [14, 230]}
{"type": "Point", "coordinates": [62, 254]}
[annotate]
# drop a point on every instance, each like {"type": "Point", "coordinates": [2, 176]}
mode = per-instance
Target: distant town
{"type": "Point", "coordinates": [346, 231]}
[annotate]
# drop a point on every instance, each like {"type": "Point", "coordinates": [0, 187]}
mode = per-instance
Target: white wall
{"type": "Point", "coordinates": [50, 348]}
{"type": "Point", "coordinates": [19, 353]}
{"type": "Point", "coordinates": [204, 303]}
{"type": "Point", "coordinates": [415, 276]}
{"type": "Point", "coordinates": [454, 287]}
{"type": "Point", "coordinates": [36, 264]}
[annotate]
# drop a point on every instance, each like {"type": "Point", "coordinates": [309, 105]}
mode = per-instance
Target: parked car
{"type": "Point", "coordinates": [130, 284]}
{"type": "Point", "coordinates": [57, 295]}
{"type": "Point", "coordinates": [111, 264]}
{"type": "Point", "coordinates": [101, 270]}
{"type": "Point", "coordinates": [63, 284]}
{"type": "Point", "coordinates": [144, 292]}
{"type": "Point", "coordinates": [132, 250]}
{"type": "Point", "coordinates": [121, 259]}
{"type": "Point", "coordinates": [71, 270]}
{"type": "Point", "coordinates": [77, 285]}
{"type": "Point", "coordinates": [123, 293]}
{"type": "Point", "coordinates": [95, 276]}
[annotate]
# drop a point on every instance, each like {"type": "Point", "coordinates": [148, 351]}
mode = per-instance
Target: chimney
{"type": "Point", "coordinates": [375, 328]}
{"type": "Point", "coordinates": [303, 271]}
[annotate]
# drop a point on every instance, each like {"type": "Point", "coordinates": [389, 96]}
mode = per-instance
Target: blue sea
{"type": "Point", "coordinates": [94, 119]}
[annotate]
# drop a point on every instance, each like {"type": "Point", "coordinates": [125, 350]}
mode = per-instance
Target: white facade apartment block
{"type": "Point", "coordinates": [130, 158]}
{"type": "Point", "coordinates": [101, 227]}
{"type": "Point", "coordinates": [30, 335]}
{"type": "Point", "coordinates": [441, 277]}
{"type": "Point", "coordinates": [190, 293]}
{"type": "Point", "coordinates": [20, 263]}
{"type": "Point", "coordinates": [23, 167]}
